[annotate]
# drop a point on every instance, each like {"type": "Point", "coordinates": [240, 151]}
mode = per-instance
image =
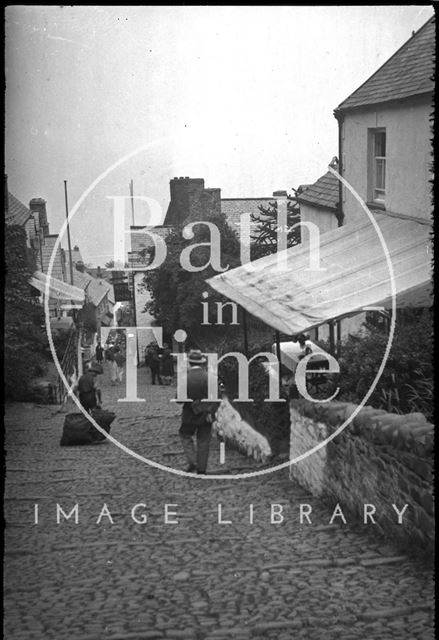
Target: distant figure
{"type": "Point", "coordinates": [197, 417]}
{"type": "Point", "coordinates": [99, 353]}
{"type": "Point", "coordinates": [88, 391]}
{"type": "Point", "coordinates": [111, 352]}
{"type": "Point", "coordinates": [152, 361]}
{"type": "Point", "coordinates": [167, 365]}
{"type": "Point", "coordinates": [108, 353]}
{"type": "Point", "coordinates": [119, 361]}
{"type": "Point", "coordinates": [305, 345]}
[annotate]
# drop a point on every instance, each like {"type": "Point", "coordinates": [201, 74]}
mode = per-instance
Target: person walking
{"type": "Point", "coordinates": [88, 392]}
{"type": "Point", "coordinates": [167, 365]}
{"type": "Point", "coordinates": [197, 417]}
{"type": "Point", "coordinates": [120, 360]}
{"type": "Point", "coordinates": [111, 352]}
{"type": "Point", "coordinates": [99, 353]}
{"type": "Point", "coordinates": [152, 361]}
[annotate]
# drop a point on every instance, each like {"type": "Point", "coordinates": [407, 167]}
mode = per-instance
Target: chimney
{"type": "Point", "coordinates": [80, 266]}
{"type": "Point", "coordinates": [184, 191]}
{"type": "Point", "coordinates": [38, 207]}
{"type": "Point", "coordinates": [98, 273]}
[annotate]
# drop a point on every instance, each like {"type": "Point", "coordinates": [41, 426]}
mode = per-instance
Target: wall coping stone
{"type": "Point", "coordinates": [402, 431]}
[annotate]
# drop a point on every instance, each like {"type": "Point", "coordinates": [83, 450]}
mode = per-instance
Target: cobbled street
{"type": "Point", "coordinates": [196, 579]}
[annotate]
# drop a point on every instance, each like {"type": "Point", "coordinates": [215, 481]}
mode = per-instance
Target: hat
{"type": "Point", "coordinates": [196, 357]}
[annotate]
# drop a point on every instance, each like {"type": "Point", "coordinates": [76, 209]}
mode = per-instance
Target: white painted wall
{"type": "Point", "coordinates": [325, 220]}
{"type": "Point", "coordinates": [408, 156]}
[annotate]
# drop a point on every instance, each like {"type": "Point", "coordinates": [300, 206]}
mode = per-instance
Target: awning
{"type": "Point", "coordinates": [356, 276]}
{"type": "Point", "coordinates": [57, 288]}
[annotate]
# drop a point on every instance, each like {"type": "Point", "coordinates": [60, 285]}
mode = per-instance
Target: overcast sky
{"type": "Point", "coordinates": [240, 96]}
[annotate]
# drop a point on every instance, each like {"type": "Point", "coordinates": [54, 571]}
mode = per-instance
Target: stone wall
{"type": "Point", "coordinates": [237, 433]}
{"type": "Point", "coordinates": [379, 459]}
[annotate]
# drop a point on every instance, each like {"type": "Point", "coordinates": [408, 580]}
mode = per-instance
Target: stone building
{"type": "Point", "coordinates": [40, 245]}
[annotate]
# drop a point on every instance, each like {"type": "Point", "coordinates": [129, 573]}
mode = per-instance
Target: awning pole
{"type": "Point", "coordinates": [338, 337]}
{"type": "Point", "coordinates": [244, 326]}
{"type": "Point", "coordinates": [68, 233]}
{"type": "Point", "coordinates": [278, 355]}
{"type": "Point", "coordinates": [79, 354]}
{"type": "Point", "coordinates": [331, 338]}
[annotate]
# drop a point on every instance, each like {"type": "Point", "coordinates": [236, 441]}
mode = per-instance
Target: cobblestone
{"type": "Point", "coordinates": [197, 579]}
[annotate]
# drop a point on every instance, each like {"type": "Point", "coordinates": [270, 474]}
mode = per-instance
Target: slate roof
{"type": "Point", "coordinates": [17, 212]}
{"type": "Point", "coordinates": [95, 290]}
{"type": "Point", "coordinates": [46, 250]}
{"type": "Point", "coordinates": [407, 73]}
{"type": "Point", "coordinates": [323, 193]}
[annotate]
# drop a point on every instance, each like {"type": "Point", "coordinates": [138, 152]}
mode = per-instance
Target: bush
{"type": "Point", "coordinates": [406, 383]}
{"type": "Point", "coordinates": [24, 339]}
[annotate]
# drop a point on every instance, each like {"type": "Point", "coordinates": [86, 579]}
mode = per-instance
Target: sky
{"type": "Point", "coordinates": [240, 96]}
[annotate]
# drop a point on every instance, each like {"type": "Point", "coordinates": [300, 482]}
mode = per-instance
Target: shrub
{"type": "Point", "coordinates": [406, 383]}
{"type": "Point", "coordinates": [23, 337]}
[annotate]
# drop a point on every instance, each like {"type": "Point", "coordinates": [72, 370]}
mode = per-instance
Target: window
{"type": "Point", "coordinates": [378, 165]}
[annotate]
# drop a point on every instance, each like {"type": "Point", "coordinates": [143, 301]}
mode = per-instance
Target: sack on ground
{"type": "Point", "coordinates": [77, 430]}
{"type": "Point", "coordinates": [103, 418]}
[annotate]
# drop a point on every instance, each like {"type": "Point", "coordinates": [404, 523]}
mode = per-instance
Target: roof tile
{"type": "Point", "coordinates": [409, 72]}
{"type": "Point", "coordinates": [17, 212]}
{"type": "Point", "coordinates": [323, 193]}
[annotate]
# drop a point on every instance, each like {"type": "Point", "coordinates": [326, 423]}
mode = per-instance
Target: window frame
{"type": "Point", "coordinates": [374, 197]}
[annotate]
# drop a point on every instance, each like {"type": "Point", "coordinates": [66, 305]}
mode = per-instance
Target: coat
{"type": "Point", "coordinates": [197, 389]}
{"type": "Point", "coordinates": [152, 359]}
{"type": "Point", "coordinates": [167, 364]}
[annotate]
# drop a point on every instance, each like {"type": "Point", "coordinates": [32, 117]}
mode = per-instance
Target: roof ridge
{"type": "Point", "coordinates": [251, 198]}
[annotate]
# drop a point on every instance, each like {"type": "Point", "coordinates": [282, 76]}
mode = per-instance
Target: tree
{"type": "Point", "coordinates": [24, 318]}
{"type": "Point", "coordinates": [110, 265]}
{"type": "Point", "coordinates": [265, 238]}
{"type": "Point", "coordinates": [177, 294]}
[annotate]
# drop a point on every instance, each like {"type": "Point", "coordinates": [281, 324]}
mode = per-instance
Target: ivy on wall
{"type": "Point", "coordinates": [24, 338]}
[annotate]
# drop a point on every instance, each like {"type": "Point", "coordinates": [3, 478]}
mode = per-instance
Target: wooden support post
{"type": "Point", "coordinates": [79, 355]}
{"type": "Point", "coordinates": [331, 338]}
{"type": "Point", "coordinates": [278, 355]}
{"type": "Point", "coordinates": [244, 326]}
{"type": "Point", "coordinates": [338, 337]}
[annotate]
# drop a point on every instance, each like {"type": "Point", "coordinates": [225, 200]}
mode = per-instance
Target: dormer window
{"type": "Point", "coordinates": [377, 173]}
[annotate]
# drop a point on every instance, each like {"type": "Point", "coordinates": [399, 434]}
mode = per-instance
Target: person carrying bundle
{"type": "Point", "coordinates": [87, 390]}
